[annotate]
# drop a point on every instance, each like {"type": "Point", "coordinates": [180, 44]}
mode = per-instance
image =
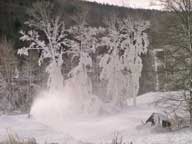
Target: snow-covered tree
{"type": "Point", "coordinates": [122, 65]}
{"type": "Point", "coordinates": [47, 34]}
{"type": "Point", "coordinates": [83, 47]}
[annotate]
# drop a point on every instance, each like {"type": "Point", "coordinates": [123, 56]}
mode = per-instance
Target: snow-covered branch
{"type": "Point", "coordinates": [47, 33]}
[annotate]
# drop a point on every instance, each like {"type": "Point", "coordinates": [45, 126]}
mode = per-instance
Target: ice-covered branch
{"type": "Point", "coordinates": [48, 34]}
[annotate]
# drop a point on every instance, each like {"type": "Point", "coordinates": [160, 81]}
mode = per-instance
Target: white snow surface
{"type": "Point", "coordinates": [144, 4]}
{"type": "Point", "coordinates": [127, 124]}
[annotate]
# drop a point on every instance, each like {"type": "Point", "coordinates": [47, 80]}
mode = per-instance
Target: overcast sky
{"type": "Point", "coordinates": [147, 4]}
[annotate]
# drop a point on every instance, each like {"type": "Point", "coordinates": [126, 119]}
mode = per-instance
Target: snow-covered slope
{"type": "Point", "coordinates": [97, 129]}
{"type": "Point", "coordinates": [144, 4]}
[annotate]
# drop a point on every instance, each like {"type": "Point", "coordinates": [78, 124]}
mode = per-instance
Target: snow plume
{"type": "Point", "coordinates": [54, 106]}
{"type": "Point", "coordinates": [49, 106]}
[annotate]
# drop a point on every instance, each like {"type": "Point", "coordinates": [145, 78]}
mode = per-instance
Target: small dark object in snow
{"type": "Point", "coordinates": [166, 124]}
{"type": "Point", "coordinates": [159, 119]}
{"type": "Point", "coordinates": [151, 120]}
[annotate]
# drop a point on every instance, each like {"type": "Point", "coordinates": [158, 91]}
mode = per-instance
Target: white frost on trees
{"type": "Point", "coordinates": [82, 49]}
{"type": "Point", "coordinates": [47, 35]}
{"type": "Point", "coordinates": [122, 65]}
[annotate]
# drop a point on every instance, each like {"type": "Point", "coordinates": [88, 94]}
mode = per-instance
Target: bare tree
{"type": "Point", "coordinates": [8, 65]}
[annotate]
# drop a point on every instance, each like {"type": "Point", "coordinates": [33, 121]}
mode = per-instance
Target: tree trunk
{"type": "Point", "coordinates": [55, 80]}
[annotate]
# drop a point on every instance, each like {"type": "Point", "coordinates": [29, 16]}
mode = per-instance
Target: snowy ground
{"type": "Point", "coordinates": [97, 130]}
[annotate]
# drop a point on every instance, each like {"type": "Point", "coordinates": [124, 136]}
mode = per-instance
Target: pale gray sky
{"type": "Point", "coordinates": [147, 4]}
